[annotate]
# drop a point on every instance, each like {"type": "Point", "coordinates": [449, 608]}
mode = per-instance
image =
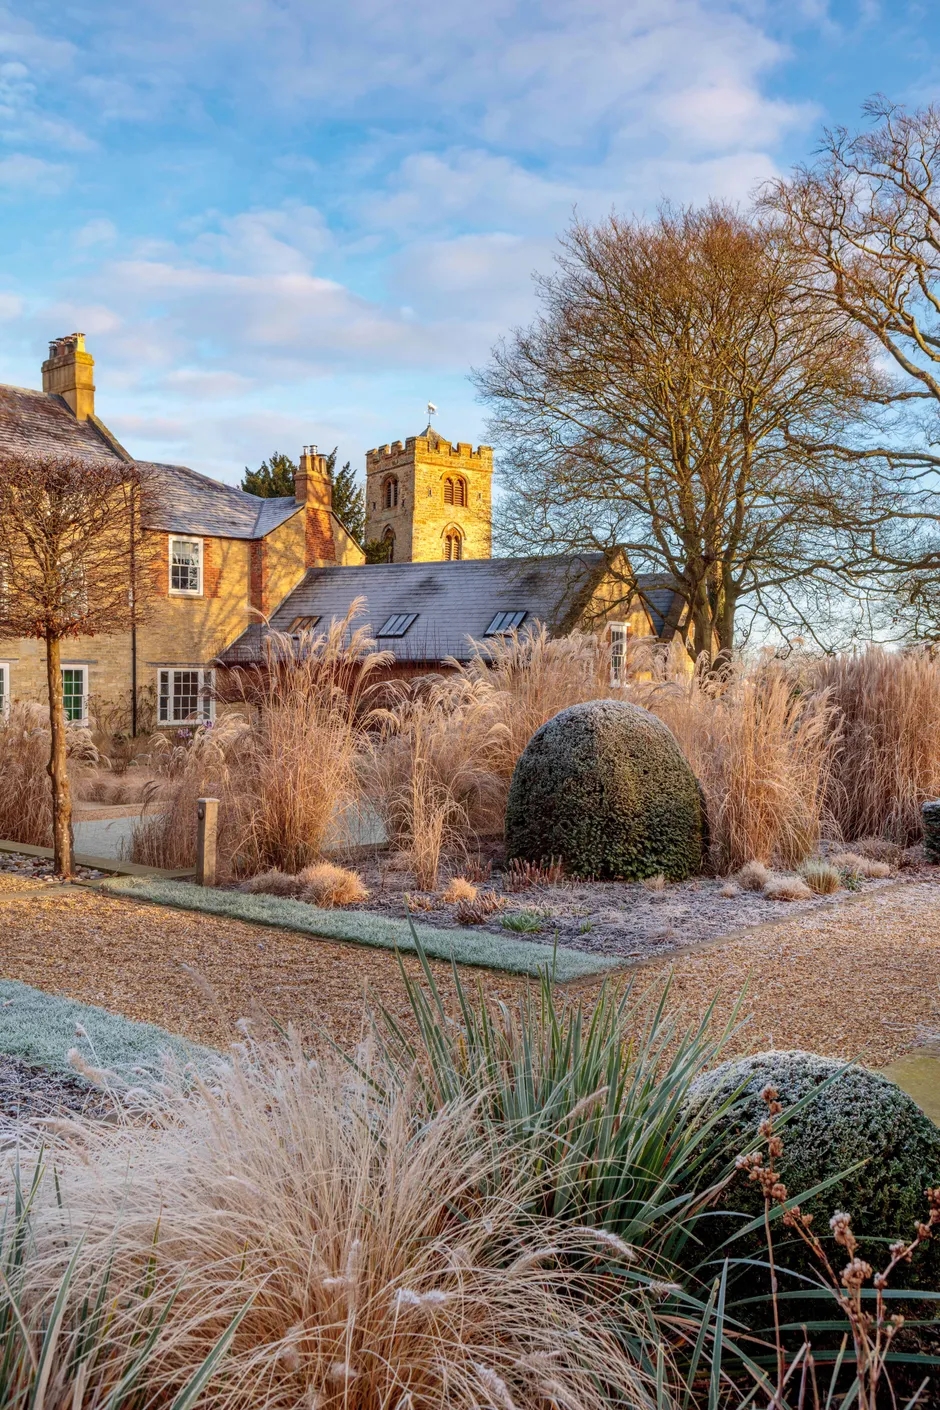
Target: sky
{"type": "Point", "coordinates": [290, 221]}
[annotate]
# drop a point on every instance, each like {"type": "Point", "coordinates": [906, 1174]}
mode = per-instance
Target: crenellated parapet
{"type": "Point", "coordinates": [430, 498]}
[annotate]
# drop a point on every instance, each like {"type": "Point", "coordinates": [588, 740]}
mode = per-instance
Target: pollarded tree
{"type": "Point", "coordinates": [676, 397]}
{"type": "Point", "coordinates": [73, 562]}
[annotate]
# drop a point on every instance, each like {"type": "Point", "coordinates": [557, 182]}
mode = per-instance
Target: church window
{"type": "Point", "coordinates": [455, 491]}
{"type": "Point", "coordinates": [453, 545]}
{"type": "Point", "coordinates": [390, 493]}
{"type": "Point", "coordinates": [388, 538]}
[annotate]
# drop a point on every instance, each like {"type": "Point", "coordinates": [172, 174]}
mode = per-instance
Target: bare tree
{"type": "Point", "coordinates": [675, 397]}
{"type": "Point", "coordinates": [73, 562]}
{"type": "Point", "coordinates": [864, 224]}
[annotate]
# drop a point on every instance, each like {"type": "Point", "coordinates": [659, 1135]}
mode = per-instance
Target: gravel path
{"type": "Point", "coordinates": [856, 980]}
{"type": "Point", "coordinates": [197, 975]}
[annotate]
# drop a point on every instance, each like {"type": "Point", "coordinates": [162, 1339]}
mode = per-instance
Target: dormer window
{"type": "Point", "coordinates": [390, 493]}
{"type": "Point", "coordinates": [185, 567]}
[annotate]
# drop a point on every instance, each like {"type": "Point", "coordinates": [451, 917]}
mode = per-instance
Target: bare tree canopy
{"type": "Point", "coordinates": [676, 397]}
{"type": "Point", "coordinates": [865, 221]}
{"type": "Point", "coordinates": [865, 218]}
{"type": "Point", "coordinates": [73, 562]}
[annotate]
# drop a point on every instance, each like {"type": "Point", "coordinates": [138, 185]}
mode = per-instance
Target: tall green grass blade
{"type": "Point", "coordinates": [201, 1377]}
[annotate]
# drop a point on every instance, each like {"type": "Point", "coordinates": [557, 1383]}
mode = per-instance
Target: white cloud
{"type": "Point", "coordinates": [100, 231]}
{"type": "Point", "coordinates": [447, 145]}
{"type": "Point", "coordinates": [31, 176]}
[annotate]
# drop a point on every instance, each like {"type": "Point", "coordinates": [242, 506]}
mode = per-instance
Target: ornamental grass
{"type": "Point", "coordinates": [297, 1235]}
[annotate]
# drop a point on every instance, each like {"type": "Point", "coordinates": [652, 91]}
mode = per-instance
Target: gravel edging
{"type": "Point", "coordinates": [41, 1029]}
{"type": "Point", "coordinates": [463, 946]}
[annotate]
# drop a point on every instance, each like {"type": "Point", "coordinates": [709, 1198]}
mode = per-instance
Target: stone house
{"type": "Point", "coordinates": [233, 565]}
{"type": "Point", "coordinates": [226, 559]}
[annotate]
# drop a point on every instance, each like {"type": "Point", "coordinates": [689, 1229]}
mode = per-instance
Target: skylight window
{"type": "Point", "coordinates": [504, 622]}
{"type": "Point", "coordinates": [397, 624]}
{"type": "Point", "coordinates": [303, 624]}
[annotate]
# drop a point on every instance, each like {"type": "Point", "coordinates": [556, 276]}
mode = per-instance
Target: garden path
{"type": "Point", "coordinates": [857, 980]}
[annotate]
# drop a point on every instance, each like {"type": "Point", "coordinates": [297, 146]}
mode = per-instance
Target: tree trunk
{"type": "Point", "coordinates": [58, 764]}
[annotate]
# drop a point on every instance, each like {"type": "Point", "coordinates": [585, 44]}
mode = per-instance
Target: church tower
{"type": "Point", "coordinates": [428, 500]}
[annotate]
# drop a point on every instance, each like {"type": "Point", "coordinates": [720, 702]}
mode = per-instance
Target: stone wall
{"type": "Point", "coordinates": [422, 518]}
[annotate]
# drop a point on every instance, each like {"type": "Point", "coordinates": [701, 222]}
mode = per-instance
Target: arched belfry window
{"type": "Point", "coordinates": [453, 545]}
{"type": "Point", "coordinates": [388, 539]}
{"type": "Point", "coordinates": [455, 490]}
{"type": "Point", "coordinates": [390, 493]}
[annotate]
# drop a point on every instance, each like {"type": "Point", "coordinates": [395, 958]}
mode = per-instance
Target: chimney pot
{"type": "Point", "coordinates": [69, 372]}
{"type": "Point", "coordinates": [312, 483]}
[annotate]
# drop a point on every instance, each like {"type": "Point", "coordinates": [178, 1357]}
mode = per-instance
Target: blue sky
{"type": "Point", "coordinates": [281, 221]}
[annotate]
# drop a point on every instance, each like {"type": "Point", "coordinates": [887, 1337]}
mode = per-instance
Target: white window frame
{"type": "Point", "coordinates": [619, 633]}
{"type": "Point", "coordinates": [200, 559]}
{"type": "Point", "coordinates": [83, 667]}
{"type": "Point", "coordinates": [205, 687]}
{"type": "Point", "coordinates": [4, 689]}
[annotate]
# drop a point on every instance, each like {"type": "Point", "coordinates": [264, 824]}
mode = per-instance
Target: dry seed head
{"type": "Point", "coordinates": [495, 1385]}
{"type": "Point", "coordinates": [856, 1272]}
{"type": "Point", "coordinates": [342, 1371]}
{"type": "Point", "coordinates": [604, 1236]}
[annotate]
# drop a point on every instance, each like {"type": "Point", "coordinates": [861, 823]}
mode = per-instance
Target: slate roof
{"type": "Point", "coordinates": [454, 601]}
{"type": "Point", "coordinates": [43, 423]}
{"type": "Point", "coordinates": [181, 500]}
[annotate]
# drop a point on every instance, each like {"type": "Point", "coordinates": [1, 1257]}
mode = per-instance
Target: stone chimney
{"type": "Point", "coordinates": [312, 485]}
{"type": "Point", "coordinates": [313, 489]}
{"type": "Point", "coordinates": [69, 372]}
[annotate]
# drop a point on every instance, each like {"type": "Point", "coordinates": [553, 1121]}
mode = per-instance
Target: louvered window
{"type": "Point", "coordinates": [453, 546]}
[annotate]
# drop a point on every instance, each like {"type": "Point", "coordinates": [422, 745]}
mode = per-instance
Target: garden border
{"type": "Point", "coordinates": [112, 864]}
{"type": "Point", "coordinates": [482, 949]}
{"type": "Point", "coordinates": [40, 1028]}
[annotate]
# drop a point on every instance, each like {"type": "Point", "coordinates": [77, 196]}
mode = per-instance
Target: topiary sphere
{"type": "Point", "coordinates": [861, 1117]}
{"type": "Point", "coordinates": [605, 788]}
